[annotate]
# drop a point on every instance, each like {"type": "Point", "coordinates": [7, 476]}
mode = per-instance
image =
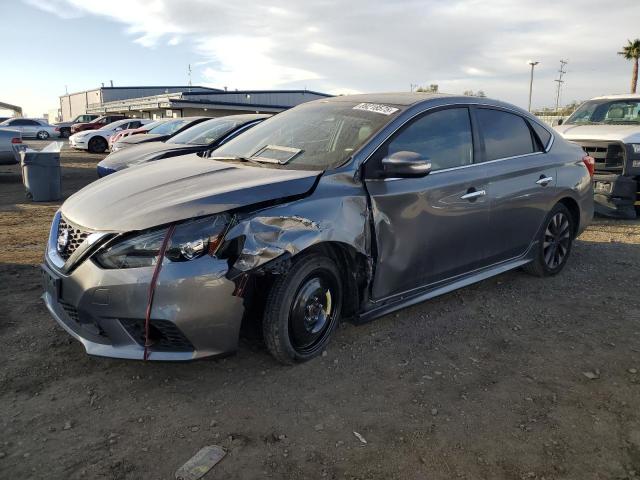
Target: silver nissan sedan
{"type": "Point", "coordinates": [339, 209]}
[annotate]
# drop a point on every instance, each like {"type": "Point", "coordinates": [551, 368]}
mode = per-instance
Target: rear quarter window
{"type": "Point", "coordinates": [543, 134]}
{"type": "Point", "coordinates": [505, 134]}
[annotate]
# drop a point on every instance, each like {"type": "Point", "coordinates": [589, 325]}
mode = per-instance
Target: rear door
{"type": "Point", "coordinates": [432, 228]}
{"type": "Point", "coordinates": [520, 180]}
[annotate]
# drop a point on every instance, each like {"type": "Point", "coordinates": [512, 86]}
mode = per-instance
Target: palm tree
{"type": "Point", "coordinates": [631, 51]}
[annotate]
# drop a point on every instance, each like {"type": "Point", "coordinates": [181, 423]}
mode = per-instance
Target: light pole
{"type": "Point", "coordinates": [533, 64]}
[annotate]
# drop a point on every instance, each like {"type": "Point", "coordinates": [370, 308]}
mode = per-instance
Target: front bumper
{"type": "Point", "coordinates": [194, 314]}
{"type": "Point", "coordinates": [615, 195]}
{"type": "Point", "coordinates": [78, 143]}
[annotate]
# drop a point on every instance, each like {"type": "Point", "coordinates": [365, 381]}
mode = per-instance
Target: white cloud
{"type": "Point", "coordinates": [374, 45]}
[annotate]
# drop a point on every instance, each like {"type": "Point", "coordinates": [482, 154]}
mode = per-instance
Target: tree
{"type": "Point", "coordinates": [433, 88]}
{"type": "Point", "coordinates": [631, 51]}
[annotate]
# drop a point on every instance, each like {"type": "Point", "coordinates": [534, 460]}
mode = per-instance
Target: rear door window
{"type": "Point", "coordinates": [505, 134]}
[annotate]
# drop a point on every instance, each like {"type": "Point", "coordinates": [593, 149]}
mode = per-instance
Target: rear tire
{"type": "Point", "coordinates": [42, 135]}
{"type": "Point", "coordinates": [97, 145]}
{"type": "Point", "coordinates": [554, 243]}
{"type": "Point", "coordinates": [303, 309]}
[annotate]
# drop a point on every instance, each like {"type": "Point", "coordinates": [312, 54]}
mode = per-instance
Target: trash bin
{"type": "Point", "coordinates": [41, 173]}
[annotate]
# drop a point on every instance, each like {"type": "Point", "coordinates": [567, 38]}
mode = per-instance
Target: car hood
{"type": "Point", "coordinates": [168, 191]}
{"type": "Point", "coordinates": [144, 152]}
{"type": "Point", "coordinates": [141, 138]}
{"type": "Point", "coordinates": [617, 133]}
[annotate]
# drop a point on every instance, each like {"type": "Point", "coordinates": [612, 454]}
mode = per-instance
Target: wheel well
{"type": "Point", "coordinates": [355, 268]}
{"type": "Point", "coordinates": [574, 210]}
{"type": "Point", "coordinates": [353, 265]}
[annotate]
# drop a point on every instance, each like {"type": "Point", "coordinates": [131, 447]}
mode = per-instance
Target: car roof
{"type": "Point", "coordinates": [619, 96]}
{"type": "Point", "coordinates": [393, 98]}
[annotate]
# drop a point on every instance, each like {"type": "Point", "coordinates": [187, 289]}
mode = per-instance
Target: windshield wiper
{"type": "Point", "coordinates": [236, 158]}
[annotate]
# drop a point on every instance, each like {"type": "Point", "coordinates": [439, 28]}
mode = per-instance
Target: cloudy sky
{"type": "Point", "coordinates": [326, 45]}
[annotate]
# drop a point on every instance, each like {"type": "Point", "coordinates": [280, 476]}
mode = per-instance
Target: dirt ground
{"type": "Point", "coordinates": [491, 381]}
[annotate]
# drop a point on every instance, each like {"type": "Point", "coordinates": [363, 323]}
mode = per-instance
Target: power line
{"type": "Point", "coordinates": [559, 81]}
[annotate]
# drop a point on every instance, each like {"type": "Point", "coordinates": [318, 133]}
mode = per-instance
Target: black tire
{"type": "Point", "coordinates": [289, 336]}
{"type": "Point", "coordinates": [554, 243]}
{"type": "Point", "coordinates": [65, 132]}
{"type": "Point", "coordinates": [97, 145]}
{"type": "Point", "coordinates": [42, 135]}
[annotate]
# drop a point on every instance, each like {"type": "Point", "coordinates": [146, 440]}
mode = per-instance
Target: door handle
{"type": "Point", "coordinates": [474, 194]}
{"type": "Point", "coordinates": [544, 181]}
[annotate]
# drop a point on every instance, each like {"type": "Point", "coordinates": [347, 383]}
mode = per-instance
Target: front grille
{"type": "Point", "coordinates": [75, 237]}
{"type": "Point", "coordinates": [609, 157]}
{"type": "Point", "coordinates": [164, 335]}
{"type": "Point", "coordinates": [70, 310]}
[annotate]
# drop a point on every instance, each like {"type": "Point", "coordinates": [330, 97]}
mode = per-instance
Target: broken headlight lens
{"type": "Point", "coordinates": [190, 240]}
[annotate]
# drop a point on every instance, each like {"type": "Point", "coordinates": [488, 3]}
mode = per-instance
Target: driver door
{"type": "Point", "coordinates": [432, 228]}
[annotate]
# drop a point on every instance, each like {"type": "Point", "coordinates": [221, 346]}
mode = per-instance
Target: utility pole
{"type": "Point", "coordinates": [533, 64]}
{"type": "Point", "coordinates": [413, 85]}
{"type": "Point", "coordinates": [559, 80]}
{"type": "Point", "coordinates": [189, 70]}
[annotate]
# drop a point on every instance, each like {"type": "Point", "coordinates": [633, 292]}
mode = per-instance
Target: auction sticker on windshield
{"type": "Point", "coordinates": [376, 107]}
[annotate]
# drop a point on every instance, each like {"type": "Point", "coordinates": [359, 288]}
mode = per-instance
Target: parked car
{"type": "Point", "coordinates": [608, 129]}
{"type": "Point", "coordinates": [203, 137]}
{"type": "Point", "coordinates": [160, 132]}
{"type": "Point", "coordinates": [343, 208]}
{"type": "Point", "coordinates": [133, 131]}
{"type": "Point", "coordinates": [8, 139]}
{"type": "Point", "coordinates": [97, 141]}
{"type": "Point", "coordinates": [31, 128]}
{"type": "Point", "coordinates": [96, 124]}
{"type": "Point", "coordinates": [65, 127]}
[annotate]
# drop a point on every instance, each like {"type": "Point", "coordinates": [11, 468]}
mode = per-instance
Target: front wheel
{"type": "Point", "coordinates": [97, 145]}
{"type": "Point", "coordinates": [303, 309]}
{"type": "Point", "coordinates": [554, 243]}
{"type": "Point", "coordinates": [42, 135]}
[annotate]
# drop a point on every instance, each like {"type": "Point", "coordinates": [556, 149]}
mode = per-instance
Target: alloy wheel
{"type": "Point", "coordinates": [557, 240]}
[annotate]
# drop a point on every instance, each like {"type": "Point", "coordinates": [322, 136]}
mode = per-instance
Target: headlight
{"type": "Point", "coordinates": [635, 147]}
{"type": "Point", "coordinates": [190, 240]}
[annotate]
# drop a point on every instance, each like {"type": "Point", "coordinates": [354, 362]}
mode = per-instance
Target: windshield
{"type": "Point", "coordinates": [606, 112]}
{"type": "Point", "coordinates": [206, 132]}
{"type": "Point", "coordinates": [312, 136]}
{"type": "Point", "coordinates": [168, 128]}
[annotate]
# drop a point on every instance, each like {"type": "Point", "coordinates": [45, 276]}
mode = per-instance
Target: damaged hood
{"type": "Point", "coordinates": [607, 133]}
{"type": "Point", "coordinates": [167, 191]}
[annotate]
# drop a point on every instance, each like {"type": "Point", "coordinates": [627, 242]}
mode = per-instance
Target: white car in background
{"type": "Point", "coordinates": [97, 141]}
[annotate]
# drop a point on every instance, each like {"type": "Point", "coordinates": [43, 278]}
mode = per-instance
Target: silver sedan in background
{"type": "Point", "coordinates": [9, 139]}
{"type": "Point", "coordinates": [32, 127]}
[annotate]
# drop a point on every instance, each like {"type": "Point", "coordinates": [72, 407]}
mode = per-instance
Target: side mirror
{"type": "Point", "coordinates": [405, 165]}
{"type": "Point", "coordinates": [118, 129]}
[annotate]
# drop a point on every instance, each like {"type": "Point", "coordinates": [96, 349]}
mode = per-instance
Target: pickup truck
{"type": "Point", "coordinates": [608, 129]}
{"type": "Point", "coordinates": [65, 127]}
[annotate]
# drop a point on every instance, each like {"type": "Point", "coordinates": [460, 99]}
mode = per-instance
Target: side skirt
{"type": "Point", "coordinates": [376, 311]}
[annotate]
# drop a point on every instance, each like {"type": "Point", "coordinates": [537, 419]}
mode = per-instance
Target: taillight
{"type": "Point", "coordinates": [590, 163]}
{"type": "Point", "coordinates": [16, 140]}
{"type": "Point", "coordinates": [57, 129]}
